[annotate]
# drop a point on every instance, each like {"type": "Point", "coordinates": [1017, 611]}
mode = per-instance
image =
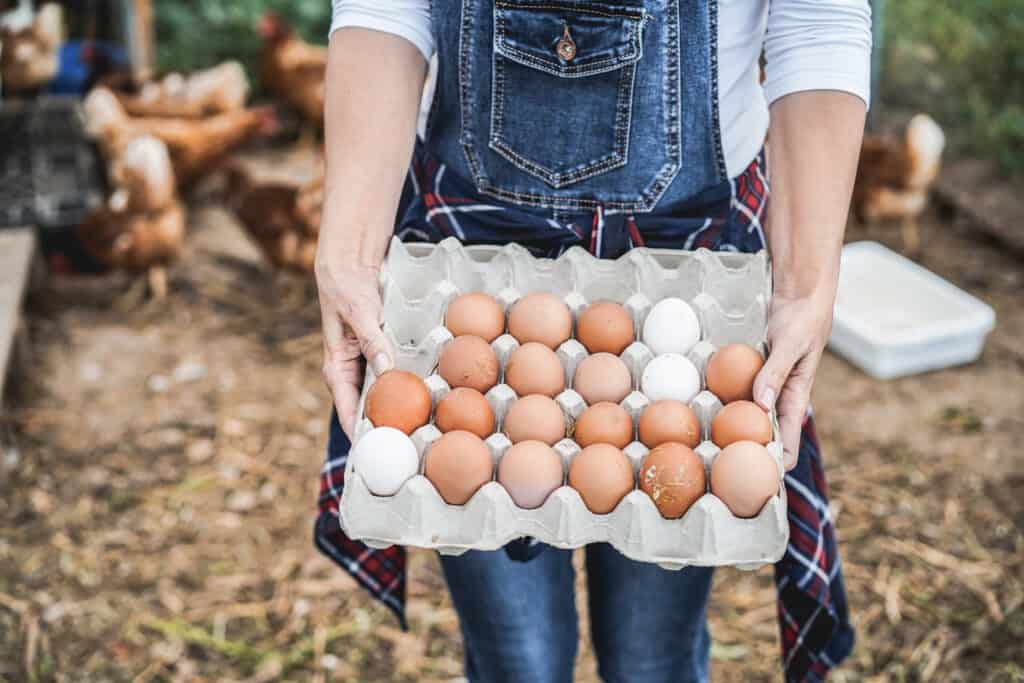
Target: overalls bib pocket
{"type": "Point", "coordinates": [562, 87]}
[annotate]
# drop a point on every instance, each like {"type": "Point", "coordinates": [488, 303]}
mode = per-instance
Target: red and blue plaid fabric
{"type": "Point", "coordinates": [812, 608]}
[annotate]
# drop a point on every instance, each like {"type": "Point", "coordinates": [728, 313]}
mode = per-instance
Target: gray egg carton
{"type": "Point", "coordinates": [730, 293]}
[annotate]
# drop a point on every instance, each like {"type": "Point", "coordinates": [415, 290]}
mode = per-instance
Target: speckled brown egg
{"type": "Point", "coordinates": [536, 417]}
{"type": "Point", "coordinates": [741, 421]}
{"type": "Point", "coordinates": [602, 475]}
{"type": "Point", "coordinates": [458, 464]}
{"type": "Point", "coordinates": [540, 317]}
{"type": "Point", "coordinates": [469, 361]}
{"type": "Point", "coordinates": [673, 476]}
{"type": "Point", "coordinates": [535, 369]}
{"type": "Point", "coordinates": [604, 423]}
{"type": "Point", "coordinates": [476, 313]}
{"type": "Point", "coordinates": [602, 377]}
{"type": "Point", "coordinates": [605, 326]}
{"type": "Point", "coordinates": [731, 372]}
{"type": "Point", "coordinates": [398, 399]}
{"type": "Point", "coordinates": [466, 409]}
{"type": "Point", "coordinates": [668, 420]}
{"type": "Point", "coordinates": [530, 471]}
{"type": "Point", "coordinates": [744, 476]}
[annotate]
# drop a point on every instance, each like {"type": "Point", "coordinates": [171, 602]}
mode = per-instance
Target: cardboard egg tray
{"type": "Point", "coordinates": [730, 293]}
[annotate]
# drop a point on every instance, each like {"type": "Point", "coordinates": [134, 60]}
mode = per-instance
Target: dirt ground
{"type": "Point", "coordinates": [159, 460]}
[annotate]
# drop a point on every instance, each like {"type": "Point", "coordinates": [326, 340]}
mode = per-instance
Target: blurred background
{"type": "Point", "coordinates": [163, 415]}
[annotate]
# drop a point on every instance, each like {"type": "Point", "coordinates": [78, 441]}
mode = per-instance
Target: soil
{"type": "Point", "coordinates": [159, 460]}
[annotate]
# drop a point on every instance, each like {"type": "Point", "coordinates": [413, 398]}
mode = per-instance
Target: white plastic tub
{"type": "Point", "coordinates": [895, 318]}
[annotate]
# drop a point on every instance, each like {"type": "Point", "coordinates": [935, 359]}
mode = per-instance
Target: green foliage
{"type": "Point", "coordinates": [963, 62]}
{"type": "Point", "coordinates": [193, 34]}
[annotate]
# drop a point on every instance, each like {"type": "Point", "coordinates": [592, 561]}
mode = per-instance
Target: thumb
{"type": "Point", "coordinates": [773, 376]}
{"type": "Point", "coordinates": [365, 322]}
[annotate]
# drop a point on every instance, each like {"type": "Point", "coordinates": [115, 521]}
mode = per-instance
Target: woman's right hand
{"type": "Point", "coordinates": [352, 314]}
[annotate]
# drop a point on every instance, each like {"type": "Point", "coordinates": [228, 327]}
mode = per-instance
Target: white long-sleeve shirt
{"type": "Point", "coordinates": [808, 45]}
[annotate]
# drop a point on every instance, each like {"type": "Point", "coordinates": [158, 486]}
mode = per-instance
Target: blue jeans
{"type": "Point", "coordinates": [519, 621]}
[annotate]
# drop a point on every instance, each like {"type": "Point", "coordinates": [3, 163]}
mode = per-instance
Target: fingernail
{"type": "Point", "coordinates": [767, 398]}
{"type": "Point", "coordinates": [381, 363]}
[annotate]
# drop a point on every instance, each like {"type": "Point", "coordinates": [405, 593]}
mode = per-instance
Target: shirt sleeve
{"type": "Point", "coordinates": [818, 45]}
{"type": "Point", "coordinates": [409, 19]}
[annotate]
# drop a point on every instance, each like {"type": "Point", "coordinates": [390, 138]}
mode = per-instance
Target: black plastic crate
{"type": "Point", "coordinates": [50, 172]}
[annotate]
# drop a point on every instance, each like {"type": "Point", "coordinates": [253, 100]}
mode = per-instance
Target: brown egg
{"type": "Point", "coordinates": [398, 399]}
{"type": "Point", "coordinates": [673, 476]}
{"type": "Point", "coordinates": [731, 372]}
{"type": "Point", "coordinates": [530, 471]}
{"type": "Point", "coordinates": [469, 361]}
{"type": "Point", "coordinates": [604, 423]}
{"type": "Point", "coordinates": [602, 475]}
{"type": "Point", "coordinates": [668, 420]}
{"type": "Point", "coordinates": [605, 326]}
{"type": "Point", "coordinates": [602, 377]}
{"type": "Point", "coordinates": [534, 418]}
{"type": "Point", "coordinates": [458, 464]}
{"type": "Point", "coordinates": [535, 369]}
{"type": "Point", "coordinates": [476, 313]}
{"type": "Point", "coordinates": [744, 475]}
{"type": "Point", "coordinates": [741, 421]}
{"type": "Point", "coordinates": [540, 317]}
{"type": "Point", "coordinates": [466, 409]}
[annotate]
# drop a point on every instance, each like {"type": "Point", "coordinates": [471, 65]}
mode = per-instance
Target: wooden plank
{"type": "Point", "coordinates": [17, 246]}
{"type": "Point", "coordinates": [991, 203]}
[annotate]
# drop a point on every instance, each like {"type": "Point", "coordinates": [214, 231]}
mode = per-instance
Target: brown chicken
{"type": "Point", "coordinates": [293, 69]}
{"type": "Point", "coordinates": [196, 146]}
{"type": "Point", "coordinates": [141, 177]}
{"type": "Point", "coordinates": [29, 54]}
{"type": "Point", "coordinates": [282, 218]}
{"type": "Point", "coordinates": [220, 89]}
{"type": "Point", "coordinates": [894, 177]}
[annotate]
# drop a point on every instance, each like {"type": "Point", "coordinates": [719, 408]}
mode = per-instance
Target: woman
{"type": "Point", "coordinates": [607, 125]}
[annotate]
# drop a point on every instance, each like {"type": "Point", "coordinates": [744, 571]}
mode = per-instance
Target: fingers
{"type": "Point", "coordinates": [784, 384]}
{"type": "Point", "coordinates": [342, 370]}
{"type": "Point", "coordinates": [364, 317]}
{"type": "Point", "coordinates": [781, 360]}
{"type": "Point", "coordinates": [791, 409]}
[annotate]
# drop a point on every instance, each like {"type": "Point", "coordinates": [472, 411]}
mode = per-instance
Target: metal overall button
{"type": "Point", "coordinates": [566, 47]}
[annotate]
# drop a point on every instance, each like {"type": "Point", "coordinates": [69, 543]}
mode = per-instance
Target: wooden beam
{"type": "Point", "coordinates": [17, 248]}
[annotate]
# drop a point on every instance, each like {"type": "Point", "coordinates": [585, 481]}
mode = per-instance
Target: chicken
{"type": "Point", "coordinates": [282, 218]}
{"type": "Point", "coordinates": [142, 177]}
{"type": "Point", "coordinates": [220, 89]}
{"type": "Point", "coordinates": [895, 176]}
{"type": "Point", "coordinates": [30, 53]}
{"type": "Point", "coordinates": [293, 69]}
{"type": "Point", "coordinates": [195, 145]}
{"type": "Point", "coordinates": [136, 241]}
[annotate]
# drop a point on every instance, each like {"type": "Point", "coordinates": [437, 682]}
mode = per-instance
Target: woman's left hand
{"type": "Point", "coordinates": [798, 329]}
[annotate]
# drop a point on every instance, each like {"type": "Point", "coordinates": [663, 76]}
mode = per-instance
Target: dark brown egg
{"type": "Point", "coordinates": [398, 399]}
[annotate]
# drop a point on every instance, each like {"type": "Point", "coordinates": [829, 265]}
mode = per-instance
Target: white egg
{"type": "Point", "coordinates": [671, 327]}
{"type": "Point", "coordinates": [385, 458]}
{"type": "Point", "coordinates": [670, 376]}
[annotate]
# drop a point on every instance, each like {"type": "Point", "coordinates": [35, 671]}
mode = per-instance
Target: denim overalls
{"type": "Point", "coordinates": [555, 124]}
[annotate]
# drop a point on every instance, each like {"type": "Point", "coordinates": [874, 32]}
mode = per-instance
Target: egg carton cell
{"type": "Point", "coordinates": [728, 292]}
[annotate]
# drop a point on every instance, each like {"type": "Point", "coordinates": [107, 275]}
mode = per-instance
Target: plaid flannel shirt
{"type": "Point", "coordinates": [816, 633]}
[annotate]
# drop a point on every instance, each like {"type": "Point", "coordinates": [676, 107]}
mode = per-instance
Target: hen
{"type": "Point", "coordinates": [894, 176]}
{"type": "Point", "coordinates": [293, 69]}
{"type": "Point", "coordinates": [220, 89]}
{"type": "Point", "coordinates": [282, 218]}
{"type": "Point", "coordinates": [29, 56]}
{"type": "Point", "coordinates": [196, 146]}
